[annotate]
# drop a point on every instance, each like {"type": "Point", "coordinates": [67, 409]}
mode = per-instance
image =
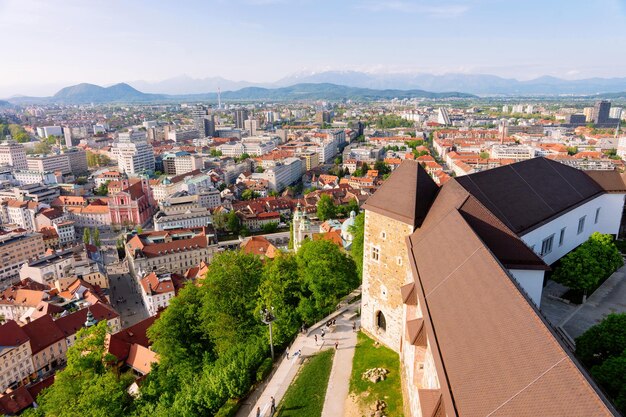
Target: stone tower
{"type": "Point", "coordinates": [391, 215]}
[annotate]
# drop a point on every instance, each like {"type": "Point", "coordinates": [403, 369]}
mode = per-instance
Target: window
{"type": "Point", "coordinates": [375, 253]}
{"type": "Point", "coordinates": [597, 215]}
{"type": "Point", "coordinates": [562, 237]}
{"type": "Point", "coordinates": [381, 323]}
{"type": "Point", "coordinates": [399, 260]}
{"type": "Point", "coordinates": [581, 224]}
{"type": "Point", "coordinates": [383, 235]}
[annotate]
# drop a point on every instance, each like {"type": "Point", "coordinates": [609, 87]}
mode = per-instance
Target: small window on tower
{"type": "Point", "coordinates": [383, 235]}
{"type": "Point", "coordinates": [375, 253]}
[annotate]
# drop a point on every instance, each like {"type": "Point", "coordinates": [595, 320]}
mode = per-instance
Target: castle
{"type": "Point", "coordinates": [453, 277]}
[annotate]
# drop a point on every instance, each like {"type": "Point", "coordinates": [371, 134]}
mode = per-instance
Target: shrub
{"type": "Point", "coordinates": [264, 370]}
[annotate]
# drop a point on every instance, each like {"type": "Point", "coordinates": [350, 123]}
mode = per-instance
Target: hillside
{"type": "Point", "coordinates": [91, 93]}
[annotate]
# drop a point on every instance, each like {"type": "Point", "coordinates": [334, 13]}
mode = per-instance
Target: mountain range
{"type": "Point", "coordinates": [480, 84]}
{"type": "Point", "coordinates": [124, 93]}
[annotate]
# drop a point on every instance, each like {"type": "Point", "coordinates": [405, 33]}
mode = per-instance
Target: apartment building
{"type": "Point", "coordinates": [156, 291]}
{"type": "Point", "coordinates": [134, 155]}
{"type": "Point", "coordinates": [16, 248]}
{"type": "Point", "coordinates": [16, 365]}
{"type": "Point", "coordinates": [172, 251]}
{"type": "Point", "coordinates": [191, 218]}
{"type": "Point", "coordinates": [13, 154]}
{"type": "Point", "coordinates": [24, 177]}
{"type": "Point", "coordinates": [282, 173]}
{"type": "Point", "coordinates": [49, 163]}
{"type": "Point", "coordinates": [48, 269]}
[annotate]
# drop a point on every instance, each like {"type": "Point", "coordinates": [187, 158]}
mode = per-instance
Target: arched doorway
{"type": "Point", "coordinates": [381, 323]}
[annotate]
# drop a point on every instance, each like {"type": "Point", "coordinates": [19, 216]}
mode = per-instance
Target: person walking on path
{"type": "Point", "coordinates": [336, 345]}
{"type": "Point", "coordinates": [287, 353]}
{"type": "Point", "coordinates": [315, 340]}
{"type": "Point", "coordinates": [354, 326]}
{"type": "Point", "coordinates": [273, 407]}
{"type": "Point", "coordinates": [258, 412]}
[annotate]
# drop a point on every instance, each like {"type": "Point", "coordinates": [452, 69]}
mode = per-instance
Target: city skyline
{"type": "Point", "coordinates": [262, 41]}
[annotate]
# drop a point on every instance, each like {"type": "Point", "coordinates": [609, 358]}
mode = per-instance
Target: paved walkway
{"type": "Point", "coordinates": [305, 343]}
{"type": "Point", "coordinates": [609, 298]}
{"type": "Point", "coordinates": [339, 382]}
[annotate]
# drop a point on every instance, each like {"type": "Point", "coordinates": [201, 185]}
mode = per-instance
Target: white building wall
{"type": "Point", "coordinates": [609, 218]}
{"type": "Point", "coordinates": [531, 281]}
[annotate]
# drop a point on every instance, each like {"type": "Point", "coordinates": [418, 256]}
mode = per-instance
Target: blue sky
{"type": "Point", "coordinates": [47, 44]}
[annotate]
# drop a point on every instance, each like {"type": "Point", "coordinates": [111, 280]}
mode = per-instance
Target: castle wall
{"type": "Point", "coordinates": [386, 268]}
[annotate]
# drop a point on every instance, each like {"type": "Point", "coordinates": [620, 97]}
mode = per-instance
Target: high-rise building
{"type": "Point", "coordinates": [134, 155]}
{"type": "Point", "coordinates": [12, 153]}
{"type": "Point", "coordinates": [601, 112]}
{"type": "Point", "coordinates": [588, 112]}
{"type": "Point", "coordinates": [250, 126]}
{"type": "Point", "coordinates": [50, 163]}
{"type": "Point", "coordinates": [239, 117]}
{"type": "Point", "coordinates": [443, 118]}
{"type": "Point", "coordinates": [202, 121]}
{"type": "Point", "coordinates": [77, 159]}
{"type": "Point", "coordinates": [323, 117]}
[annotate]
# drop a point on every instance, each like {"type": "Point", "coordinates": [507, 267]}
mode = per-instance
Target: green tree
{"type": "Point", "coordinates": [572, 150]}
{"type": "Point", "coordinates": [382, 167]}
{"type": "Point", "coordinates": [41, 148]}
{"type": "Point", "coordinates": [602, 341]}
{"type": "Point", "coordinates": [103, 189]}
{"type": "Point", "coordinates": [358, 239]}
{"type": "Point", "coordinates": [229, 298]}
{"type": "Point", "coordinates": [87, 386]}
{"type": "Point", "coordinates": [259, 169]}
{"type": "Point", "coordinates": [326, 274]}
{"type": "Point", "coordinates": [178, 335]}
{"type": "Point", "coordinates": [215, 152]}
{"type": "Point", "coordinates": [326, 208]}
{"type": "Point", "coordinates": [249, 194]}
{"type": "Point", "coordinates": [219, 220]}
{"type": "Point", "coordinates": [590, 264]}
{"type": "Point", "coordinates": [281, 289]}
{"type": "Point", "coordinates": [484, 155]}
{"type": "Point", "coordinates": [269, 227]}
{"type": "Point", "coordinates": [611, 375]}
{"type": "Point", "coordinates": [96, 237]}
{"type": "Point", "coordinates": [86, 236]}
{"type": "Point", "coordinates": [232, 222]}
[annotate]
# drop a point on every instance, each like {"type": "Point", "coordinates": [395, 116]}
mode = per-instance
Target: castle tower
{"type": "Point", "coordinates": [391, 215]}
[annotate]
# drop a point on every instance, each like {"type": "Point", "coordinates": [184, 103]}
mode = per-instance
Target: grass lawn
{"type": "Point", "coordinates": [368, 356]}
{"type": "Point", "coordinates": [305, 396]}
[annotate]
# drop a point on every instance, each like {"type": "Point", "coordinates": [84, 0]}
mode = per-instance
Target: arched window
{"type": "Point", "coordinates": [381, 323]}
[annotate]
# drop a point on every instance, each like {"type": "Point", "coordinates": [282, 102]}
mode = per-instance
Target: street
{"type": "Point", "coordinates": [125, 295]}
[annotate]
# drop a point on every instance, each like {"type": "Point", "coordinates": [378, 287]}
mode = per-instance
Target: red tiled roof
{"type": "Point", "coordinates": [42, 332]}
{"type": "Point", "coordinates": [73, 322]}
{"type": "Point", "coordinates": [11, 334]}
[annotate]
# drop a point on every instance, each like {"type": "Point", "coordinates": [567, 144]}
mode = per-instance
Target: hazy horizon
{"type": "Point", "coordinates": [262, 41]}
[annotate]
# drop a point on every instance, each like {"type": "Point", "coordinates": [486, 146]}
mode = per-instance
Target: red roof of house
{"type": "Point", "coordinates": [11, 334]}
{"type": "Point", "coordinates": [72, 323]}
{"type": "Point", "coordinates": [42, 332]}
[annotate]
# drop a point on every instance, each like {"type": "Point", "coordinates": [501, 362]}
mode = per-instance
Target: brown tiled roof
{"type": "Point", "coordinates": [141, 358]}
{"type": "Point", "coordinates": [153, 285]}
{"type": "Point", "coordinates": [120, 342]}
{"type": "Point", "coordinates": [430, 401]}
{"type": "Point", "coordinates": [42, 333]}
{"type": "Point", "coordinates": [258, 245]}
{"type": "Point", "coordinates": [158, 249]}
{"type": "Point", "coordinates": [73, 322]}
{"type": "Point", "coordinates": [505, 245]}
{"type": "Point", "coordinates": [529, 193]}
{"type": "Point", "coordinates": [16, 401]}
{"type": "Point", "coordinates": [11, 334]}
{"type": "Point", "coordinates": [494, 354]}
{"type": "Point", "coordinates": [406, 195]}
{"type": "Point", "coordinates": [610, 181]}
